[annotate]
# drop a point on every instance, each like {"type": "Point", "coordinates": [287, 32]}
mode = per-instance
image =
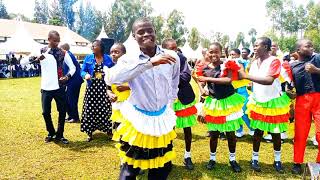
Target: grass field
{"type": "Point", "coordinates": [24, 155]}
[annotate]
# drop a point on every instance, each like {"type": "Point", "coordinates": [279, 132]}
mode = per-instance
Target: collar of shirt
{"type": "Point", "coordinates": [143, 56]}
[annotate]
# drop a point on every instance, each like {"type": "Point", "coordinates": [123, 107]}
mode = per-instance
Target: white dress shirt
{"type": "Point", "coordinates": [49, 76]}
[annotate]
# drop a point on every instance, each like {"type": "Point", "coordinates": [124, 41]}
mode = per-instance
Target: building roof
{"type": "Point", "coordinates": [39, 31]}
{"type": "Point", "coordinates": [20, 42]}
{"type": "Point", "coordinates": [102, 34]}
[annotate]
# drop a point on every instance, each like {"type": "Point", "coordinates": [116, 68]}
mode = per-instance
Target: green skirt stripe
{"type": "Point", "coordinates": [269, 127]}
{"type": "Point", "coordinates": [223, 104]}
{"type": "Point", "coordinates": [279, 102]}
{"type": "Point", "coordinates": [177, 106]}
{"type": "Point", "coordinates": [183, 122]}
{"type": "Point", "coordinates": [226, 127]}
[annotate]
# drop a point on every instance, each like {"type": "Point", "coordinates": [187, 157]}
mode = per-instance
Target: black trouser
{"type": "Point", "coordinates": [73, 91]}
{"type": "Point", "coordinates": [59, 96]}
{"type": "Point", "coordinates": [127, 172]}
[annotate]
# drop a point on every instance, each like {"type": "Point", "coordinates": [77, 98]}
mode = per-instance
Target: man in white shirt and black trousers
{"type": "Point", "coordinates": [53, 84]}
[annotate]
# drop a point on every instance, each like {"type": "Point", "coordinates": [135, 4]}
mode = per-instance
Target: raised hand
{"type": "Point", "coordinates": [242, 75]}
{"type": "Point", "coordinates": [202, 79]}
{"type": "Point", "coordinates": [122, 88]}
{"type": "Point", "coordinates": [310, 68]}
{"type": "Point", "coordinates": [162, 59]}
{"type": "Point", "coordinates": [112, 96]}
{"type": "Point", "coordinates": [87, 76]}
{"type": "Point", "coordinates": [63, 79]}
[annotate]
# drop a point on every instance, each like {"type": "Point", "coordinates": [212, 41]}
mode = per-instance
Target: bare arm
{"type": "Point", "coordinates": [220, 80]}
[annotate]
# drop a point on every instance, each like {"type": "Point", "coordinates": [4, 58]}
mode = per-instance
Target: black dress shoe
{"type": "Point", "coordinates": [49, 138]}
{"type": "Point", "coordinates": [208, 134]}
{"type": "Point", "coordinates": [235, 166]}
{"type": "Point", "coordinates": [278, 167]}
{"type": "Point", "coordinates": [211, 164]}
{"type": "Point", "coordinates": [296, 169]}
{"type": "Point", "coordinates": [188, 163]}
{"type": "Point", "coordinates": [89, 139]}
{"type": "Point", "coordinates": [63, 140]}
{"type": "Point", "coordinates": [255, 165]}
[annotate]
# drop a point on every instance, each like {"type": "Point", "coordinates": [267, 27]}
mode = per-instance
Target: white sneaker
{"type": "Point", "coordinates": [314, 141]}
{"type": "Point", "coordinates": [239, 134]}
{"type": "Point", "coordinates": [251, 133]}
{"type": "Point", "coordinates": [284, 136]}
{"type": "Point", "coordinates": [268, 137]}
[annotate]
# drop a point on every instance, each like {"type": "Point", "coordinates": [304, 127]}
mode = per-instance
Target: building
{"type": "Point", "coordinates": [39, 33]}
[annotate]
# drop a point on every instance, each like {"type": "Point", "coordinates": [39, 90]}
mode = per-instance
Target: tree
{"type": "Point", "coordinates": [194, 38]}
{"type": "Point", "coordinates": [313, 17]}
{"type": "Point", "coordinates": [287, 44]}
{"type": "Point", "coordinates": [252, 33]}
{"type": "Point", "coordinates": [225, 39]}
{"type": "Point", "coordinates": [240, 39]}
{"type": "Point", "coordinates": [21, 16]}
{"type": "Point", "coordinates": [216, 37]}
{"type": "Point", "coordinates": [67, 12]}
{"type": "Point", "coordinates": [314, 36]}
{"type": "Point", "coordinates": [301, 14]}
{"type": "Point", "coordinates": [55, 14]}
{"type": "Point", "coordinates": [272, 35]}
{"type": "Point", "coordinates": [205, 42]}
{"type": "Point", "coordinates": [90, 22]}
{"type": "Point", "coordinates": [175, 24]}
{"type": "Point", "coordinates": [158, 22]}
{"type": "Point", "coordinates": [41, 12]}
{"type": "Point", "coordinates": [121, 16]}
{"type": "Point", "coordinates": [275, 11]}
{"type": "Point", "coordinates": [290, 22]}
{"type": "Point", "coordinates": [3, 11]}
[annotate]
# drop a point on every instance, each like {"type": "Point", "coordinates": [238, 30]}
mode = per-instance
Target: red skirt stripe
{"type": "Point", "coordinates": [215, 120]}
{"type": "Point", "coordinates": [270, 119]}
{"type": "Point", "coordinates": [187, 112]}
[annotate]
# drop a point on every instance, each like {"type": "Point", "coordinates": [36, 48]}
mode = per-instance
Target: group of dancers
{"type": "Point", "coordinates": [151, 95]}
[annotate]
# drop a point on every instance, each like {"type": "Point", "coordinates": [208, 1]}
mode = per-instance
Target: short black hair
{"type": "Point", "coordinates": [236, 50]}
{"type": "Point", "coordinates": [266, 41]}
{"type": "Point", "coordinates": [65, 47]}
{"type": "Point", "coordinates": [299, 42]}
{"type": "Point", "coordinates": [286, 57]}
{"type": "Point", "coordinates": [53, 32]}
{"type": "Point", "coordinates": [140, 20]}
{"type": "Point", "coordinates": [246, 49]}
{"type": "Point", "coordinates": [217, 44]}
{"type": "Point", "coordinates": [166, 41]}
{"type": "Point", "coordinates": [122, 47]}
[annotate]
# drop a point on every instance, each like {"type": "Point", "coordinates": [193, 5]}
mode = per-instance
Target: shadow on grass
{"type": "Point", "coordinates": [268, 171]}
{"type": "Point", "coordinates": [224, 171]}
{"type": "Point", "coordinates": [221, 171]}
{"type": "Point", "coordinates": [195, 137]}
{"type": "Point", "coordinates": [99, 140]}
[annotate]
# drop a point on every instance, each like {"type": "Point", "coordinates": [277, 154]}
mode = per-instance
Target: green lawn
{"type": "Point", "coordinates": [23, 153]}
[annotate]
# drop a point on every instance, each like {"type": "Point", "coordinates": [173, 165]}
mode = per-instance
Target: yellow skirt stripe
{"type": "Point", "coordinates": [126, 132]}
{"type": "Point", "coordinates": [225, 112]}
{"type": "Point", "coordinates": [268, 111]}
{"type": "Point", "coordinates": [117, 116]}
{"type": "Point", "coordinates": [240, 83]}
